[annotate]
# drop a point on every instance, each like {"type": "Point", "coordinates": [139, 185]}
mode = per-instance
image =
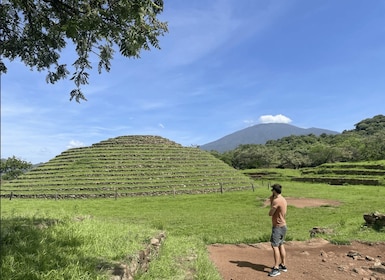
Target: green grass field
{"type": "Point", "coordinates": [78, 239]}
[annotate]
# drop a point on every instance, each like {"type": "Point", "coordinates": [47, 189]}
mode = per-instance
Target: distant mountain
{"type": "Point", "coordinates": [259, 134]}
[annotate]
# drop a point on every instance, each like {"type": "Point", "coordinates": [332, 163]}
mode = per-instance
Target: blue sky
{"type": "Point", "coordinates": [224, 65]}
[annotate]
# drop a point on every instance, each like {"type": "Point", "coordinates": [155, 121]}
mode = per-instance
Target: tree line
{"type": "Point", "coordinates": [365, 142]}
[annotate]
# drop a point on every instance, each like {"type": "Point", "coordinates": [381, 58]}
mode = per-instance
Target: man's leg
{"type": "Point", "coordinates": [275, 240]}
{"type": "Point", "coordinates": [282, 253]}
{"type": "Point", "coordinates": [277, 258]}
{"type": "Point", "coordinates": [275, 271]}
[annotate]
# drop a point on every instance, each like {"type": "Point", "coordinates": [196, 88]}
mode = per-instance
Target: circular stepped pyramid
{"type": "Point", "coordinates": [127, 166]}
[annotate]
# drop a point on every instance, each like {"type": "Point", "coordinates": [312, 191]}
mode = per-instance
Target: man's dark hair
{"type": "Point", "coordinates": [277, 188]}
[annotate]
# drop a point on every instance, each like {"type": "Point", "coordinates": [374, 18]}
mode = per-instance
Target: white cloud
{"type": "Point", "coordinates": [274, 119]}
{"type": "Point", "coordinates": [75, 144]}
{"type": "Point", "coordinates": [269, 119]}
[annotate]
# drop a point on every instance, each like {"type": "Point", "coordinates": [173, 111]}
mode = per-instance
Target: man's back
{"type": "Point", "coordinates": [279, 216]}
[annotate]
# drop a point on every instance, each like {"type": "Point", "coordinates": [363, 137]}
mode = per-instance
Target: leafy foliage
{"type": "Point", "coordinates": [372, 125]}
{"type": "Point", "coordinates": [13, 167]}
{"type": "Point", "coordinates": [36, 31]}
{"type": "Point", "coordinates": [364, 143]}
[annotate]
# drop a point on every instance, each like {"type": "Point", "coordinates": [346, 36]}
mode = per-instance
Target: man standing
{"type": "Point", "coordinates": [278, 208]}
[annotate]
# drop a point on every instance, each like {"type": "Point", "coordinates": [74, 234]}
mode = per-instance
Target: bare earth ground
{"type": "Point", "coordinates": [313, 259]}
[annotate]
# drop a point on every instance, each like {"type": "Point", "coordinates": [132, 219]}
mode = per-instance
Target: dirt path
{"type": "Point", "coordinates": [314, 259]}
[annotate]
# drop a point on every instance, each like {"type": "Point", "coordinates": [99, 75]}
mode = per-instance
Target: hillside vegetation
{"type": "Point", "coordinates": [370, 173]}
{"type": "Point", "coordinates": [364, 143]}
{"type": "Point", "coordinates": [127, 166]}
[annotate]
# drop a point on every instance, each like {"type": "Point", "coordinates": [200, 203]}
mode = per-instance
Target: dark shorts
{"type": "Point", "coordinates": [278, 236]}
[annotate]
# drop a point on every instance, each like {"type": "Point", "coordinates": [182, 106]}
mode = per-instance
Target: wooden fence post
{"type": "Point", "coordinates": [221, 187]}
{"type": "Point", "coordinates": [252, 186]}
{"type": "Point", "coordinates": [10, 196]}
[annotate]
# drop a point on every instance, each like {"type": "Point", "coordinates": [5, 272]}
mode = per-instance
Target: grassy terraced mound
{"type": "Point", "coordinates": [348, 173]}
{"type": "Point", "coordinates": [127, 166]}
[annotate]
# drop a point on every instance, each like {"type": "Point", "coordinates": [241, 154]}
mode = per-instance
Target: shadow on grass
{"type": "Point", "coordinates": [379, 227]}
{"type": "Point", "coordinates": [43, 249]}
